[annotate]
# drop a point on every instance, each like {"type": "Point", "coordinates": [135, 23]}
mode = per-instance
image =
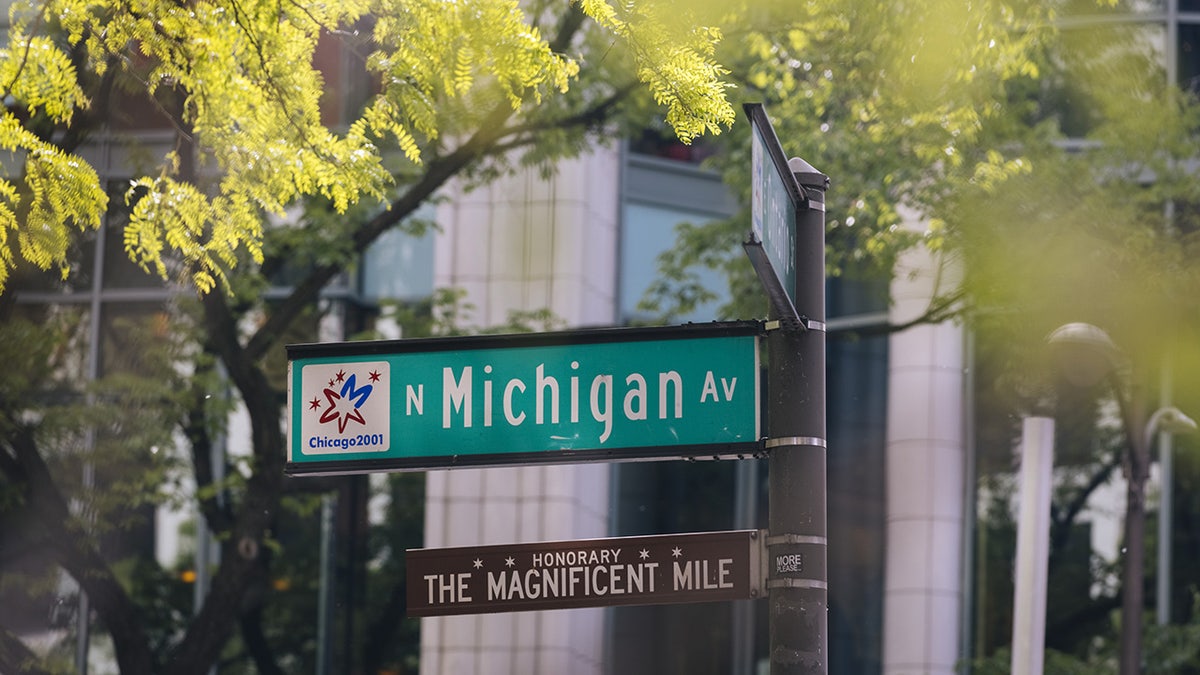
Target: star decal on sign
{"type": "Point", "coordinates": [676, 551]}
{"type": "Point", "coordinates": [478, 563]}
{"type": "Point", "coordinates": [644, 554]}
{"type": "Point", "coordinates": [509, 561]}
{"type": "Point", "coordinates": [343, 405]}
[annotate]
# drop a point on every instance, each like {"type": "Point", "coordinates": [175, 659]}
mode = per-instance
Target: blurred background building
{"type": "Point", "coordinates": [918, 456]}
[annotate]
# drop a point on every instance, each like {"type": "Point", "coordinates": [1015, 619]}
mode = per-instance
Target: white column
{"type": "Point", "coordinates": [925, 461]}
{"type": "Point", "coordinates": [1033, 546]}
{"type": "Point", "coordinates": [525, 243]}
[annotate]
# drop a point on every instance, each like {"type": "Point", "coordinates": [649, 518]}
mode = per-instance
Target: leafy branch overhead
{"type": "Point", "coordinates": [237, 80]}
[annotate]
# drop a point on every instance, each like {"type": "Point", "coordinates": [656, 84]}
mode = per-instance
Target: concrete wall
{"type": "Point", "coordinates": [925, 459]}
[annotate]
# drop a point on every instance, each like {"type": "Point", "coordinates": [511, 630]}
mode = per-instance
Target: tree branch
{"type": "Point", "coordinates": [588, 118]}
{"type": "Point", "coordinates": [940, 309]}
{"type": "Point", "coordinates": [382, 630]}
{"type": "Point", "coordinates": [196, 429]}
{"type": "Point", "coordinates": [16, 658]}
{"type": "Point", "coordinates": [256, 641]}
{"type": "Point", "coordinates": [240, 553]}
{"type": "Point", "coordinates": [1063, 518]}
{"type": "Point", "coordinates": [437, 173]}
{"type": "Point", "coordinates": [77, 553]}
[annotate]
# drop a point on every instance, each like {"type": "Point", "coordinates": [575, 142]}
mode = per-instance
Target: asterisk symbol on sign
{"type": "Point", "coordinates": [341, 375]}
{"type": "Point", "coordinates": [478, 563]}
{"type": "Point", "coordinates": [374, 375]}
{"type": "Point", "coordinates": [509, 561]}
{"type": "Point", "coordinates": [314, 404]}
{"type": "Point", "coordinates": [676, 551]}
{"type": "Point", "coordinates": [644, 554]}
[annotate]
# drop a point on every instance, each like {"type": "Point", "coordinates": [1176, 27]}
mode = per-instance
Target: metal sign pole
{"type": "Point", "coordinates": [796, 544]}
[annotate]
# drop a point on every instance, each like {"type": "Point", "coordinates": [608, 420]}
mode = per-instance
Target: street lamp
{"type": "Point", "coordinates": [1172, 421]}
{"type": "Point", "coordinates": [1033, 545]}
{"type": "Point", "coordinates": [1084, 355]}
{"type": "Point", "coordinates": [1089, 355]}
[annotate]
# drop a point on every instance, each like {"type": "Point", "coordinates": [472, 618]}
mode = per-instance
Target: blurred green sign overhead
{"type": "Point", "coordinates": [774, 198]}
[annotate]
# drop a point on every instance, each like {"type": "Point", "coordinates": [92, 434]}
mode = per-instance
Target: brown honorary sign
{"type": "Point", "coordinates": [653, 570]}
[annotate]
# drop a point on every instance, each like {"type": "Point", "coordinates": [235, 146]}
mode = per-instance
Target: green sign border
{"type": "Point", "coordinates": [764, 248]}
{"type": "Point", "coordinates": [432, 458]}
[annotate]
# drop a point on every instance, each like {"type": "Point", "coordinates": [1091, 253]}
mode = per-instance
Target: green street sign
{"type": "Point", "coordinates": [775, 196]}
{"type": "Point", "coordinates": [592, 395]}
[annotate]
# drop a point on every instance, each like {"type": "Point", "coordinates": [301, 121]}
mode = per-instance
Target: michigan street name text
{"type": "Point", "coordinates": [477, 396]}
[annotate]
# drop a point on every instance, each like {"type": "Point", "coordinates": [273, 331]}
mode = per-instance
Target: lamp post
{"type": "Point", "coordinates": [1101, 358]}
{"type": "Point", "coordinates": [1033, 546]}
{"type": "Point", "coordinates": [1166, 490]}
{"type": "Point", "coordinates": [1084, 357]}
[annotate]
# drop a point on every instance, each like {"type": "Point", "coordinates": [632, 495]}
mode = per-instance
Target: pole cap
{"type": "Point", "coordinates": [807, 175]}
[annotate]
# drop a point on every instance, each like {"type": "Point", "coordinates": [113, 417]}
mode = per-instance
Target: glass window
{"type": "Point", "coordinates": [677, 497]}
{"type": "Point", "coordinates": [667, 497]}
{"type": "Point", "coordinates": [1091, 7]}
{"type": "Point", "coordinates": [399, 266]}
{"type": "Point", "coordinates": [1189, 56]}
{"type": "Point", "coordinates": [663, 498]}
{"type": "Point", "coordinates": [646, 233]}
{"type": "Point", "coordinates": [81, 258]}
{"type": "Point", "coordinates": [1092, 60]}
{"type": "Point", "coordinates": [662, 142]}
{"type": "Point", "coordinates": [134, 339]}
{"type": "Point", "coordinates": [856, 410]}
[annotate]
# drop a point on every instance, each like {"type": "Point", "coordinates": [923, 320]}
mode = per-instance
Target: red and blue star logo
{"type": "Point", "coordinates": [343, 404]}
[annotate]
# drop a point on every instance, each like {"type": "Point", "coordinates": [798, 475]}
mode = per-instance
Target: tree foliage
{"type": "Point", "coordinates": [238, 80]}
{"type": "Point", "coordinates": [898, 103]}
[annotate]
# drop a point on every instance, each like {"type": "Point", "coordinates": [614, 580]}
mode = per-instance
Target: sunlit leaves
{"type": "Point", "coordinates": [206, 232]}
{"type": "Point", "coordinates": [57, 191]}
{"type": "Point", "coordinates": [238, 83]}
{"type": "Point", "coordinates": [900, 104]}
{"type": "Point", "coordinates": [38, 76]}
{"type": "Point", "coordinates": [675, 60]}
{"type": "Point", "coordinates": [431, 53]}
